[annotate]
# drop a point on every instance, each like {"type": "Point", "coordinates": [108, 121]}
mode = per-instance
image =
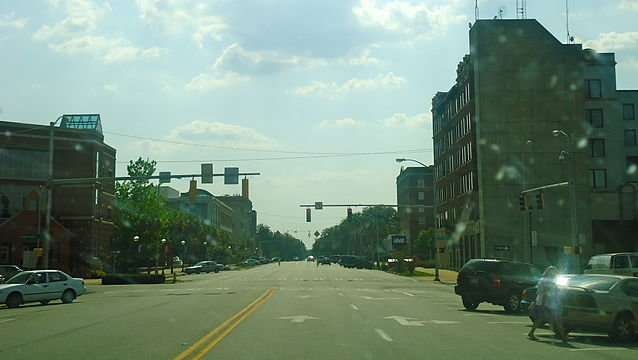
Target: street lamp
{"type": "Point", "coordinates": [183, 253]}
{"type": "Point", "coordinates": [47, 220]}
{"type": "Point", "coordinates": [136, 241]}
{"type": "Point", "coordinates": [229, 254]}
{"type": "Point", "coordinates": [164, 256]}
{"type": "Point", "coordinates": [436, 254]}
{"type": "Point", "coordinates": [205, 251]}
{"type": "Point", "coordinates": [572, 190]}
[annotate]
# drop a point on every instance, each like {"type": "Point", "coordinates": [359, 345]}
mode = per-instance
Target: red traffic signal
{"type": "Point", "coordinates": [349, 213]}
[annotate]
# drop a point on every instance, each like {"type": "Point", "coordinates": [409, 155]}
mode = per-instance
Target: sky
{"type": "Point", "coordinates": [318, 96]}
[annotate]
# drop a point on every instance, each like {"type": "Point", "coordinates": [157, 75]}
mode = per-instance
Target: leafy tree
{"type": "Point", "coordinates": [424, 244]}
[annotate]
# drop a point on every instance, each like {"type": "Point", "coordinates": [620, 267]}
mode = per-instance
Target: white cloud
{"type": "Point", "coordinates": [341, 123]}
{"type": "Point", "coordinates": [178, 16]}
{"type": "Point", "coordinates": [404, 121]}
{"type": "Point", "coordinates": [82, 17]}
{"type": "Point", "coordinates": [613, 41]}
{"type": "Point", "coordinates": [75, 34]}
{"type": "Point", "coordinates": [9, 20]}
{"type": "Point", "coordinates": [221, 134]}
{"type": "Point", "coordinates": [410, 21]}
{"type": "Point", "coordinates": [629, 5]}
{"type": "Point", "coordinates": [237, 59]}
{"type": "Point", "coordinates": [111, 87]}
{"type": "Point", "coordinates": [363, 59]}
{"type": "Point", "coordinates": [208, 81]}
{"type": "Point", "coordinates": [389, 80]}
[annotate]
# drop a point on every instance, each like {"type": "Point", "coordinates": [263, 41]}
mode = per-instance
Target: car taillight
{"type": "Point", "coordinates": [496, 281]}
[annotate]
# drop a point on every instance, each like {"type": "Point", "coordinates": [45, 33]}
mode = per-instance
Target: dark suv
{"type": "Point", "coordinates": [7, 271]}
{"type": "Point", "coordinates": [500, 282]}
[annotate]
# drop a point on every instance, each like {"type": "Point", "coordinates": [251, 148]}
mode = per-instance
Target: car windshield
{"type": "Point", "coordinates": [341, 160]}
{"type": "Point", "coordinates": [602, 283]}
{"type": "Point", "coordinates": [20, 278]}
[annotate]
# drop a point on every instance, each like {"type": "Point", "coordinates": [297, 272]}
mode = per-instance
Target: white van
{"type": "Point", "coordinates": [617, 263]}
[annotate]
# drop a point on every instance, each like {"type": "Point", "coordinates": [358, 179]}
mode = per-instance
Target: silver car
{"type": "Point", "coordinates": [40, 286]}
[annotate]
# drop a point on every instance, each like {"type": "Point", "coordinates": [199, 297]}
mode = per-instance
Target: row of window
{"type": "Point", "coordinates": [447, 140]}
{"type": "Point", "coordinates": [452, 108]}
{"type": "Point", "coordinates": [451, 216]}
{"type": "Point", "coordinates": [597, 146]}
{"type": "Point", "coordinates": [458, 158]}
{"type": "Point", "coordinates": [462, 185]}
{"type": "Point", "coordinates": [24, 164]}
{"type": "Point", "coordinates": [595, 116]}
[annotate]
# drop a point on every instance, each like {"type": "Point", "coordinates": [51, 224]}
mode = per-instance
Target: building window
{"type": "Point", "coordinates": [420, 183]}
{"type": "Point", "coordinates": [5, 252]}
{"type": "Point", "coordinates": [593, 89]}
{"type": "Point", "coordinates": [421, 195]}
{"type": "Point", "coordinates": [421, 209]}
{"type": "Point", "coordinates": [628, 112]}
{"type": "Point", "coordinates": [630, 137]}
{"type": "Point", "coordinates": [421, 220]}
{"type": "Point", "coordinates": [632, 165]}
{"type": "Point", "coordinates": [597, 147]}
{"type": "Point", "coordinates": [595, 117]}
{"type": "Point", "coordinates": [598, 178]}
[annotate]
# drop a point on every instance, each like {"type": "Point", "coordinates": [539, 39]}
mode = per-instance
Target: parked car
{"type": "Point", "coordinates": [251, 262]}
{"type": "Point", "coordinates": [177, 262]}
{"type": "Point", "coordinates": [40, 286]}
{"type": "Point", "coordinates": [7, 272]}
{"type": "Point", "coordinates": [324, 260]}
{"type": "Point", "coordinates": [204, 266]}
{"type": "Point", "coordinates": [616, 263]}
{"type": "Point", "coordinates": [352, 261]}
{"type": "Point", "coordinates": [310, 258]}
{"type": "Point", "coordinates": [606, 303]}
{"type": "Point", "coordinates": [499, 282]}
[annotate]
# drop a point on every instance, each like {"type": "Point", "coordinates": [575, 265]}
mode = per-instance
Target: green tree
{"type": "Point", "coordinates": [424, 244]}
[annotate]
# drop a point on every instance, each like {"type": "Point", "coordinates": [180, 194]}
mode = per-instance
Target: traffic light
{"type": "Point", "coordinates": [349, 213]}
{"type": "Point", "coordinates": [522, 200]}
{"type": "Point", "coordinates": [308, 216]}
{"type": "Point", "coordinates": [192, 191]}
{"type": "Point", "coordinates": [540, 201]}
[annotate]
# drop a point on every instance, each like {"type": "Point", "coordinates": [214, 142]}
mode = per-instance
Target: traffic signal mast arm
{"type": "Point", "coordinates": [364, 205]}
{"type": "Point", "coordinates": [152, 177]}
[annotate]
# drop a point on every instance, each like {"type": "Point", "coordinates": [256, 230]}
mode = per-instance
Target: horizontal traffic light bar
{"type": "Point", "coordinates": [363, 205]}
{"type": "Point", "coordinates": [152, 177]}
{"type": "Point", "coordinates": [565, 183]}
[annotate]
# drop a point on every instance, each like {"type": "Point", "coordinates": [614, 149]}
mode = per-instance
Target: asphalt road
{"type": "Point", "coordinates": [296, 310]}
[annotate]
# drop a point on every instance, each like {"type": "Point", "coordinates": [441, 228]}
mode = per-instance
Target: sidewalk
{"type": "Point", "coordinates": [447, 277]}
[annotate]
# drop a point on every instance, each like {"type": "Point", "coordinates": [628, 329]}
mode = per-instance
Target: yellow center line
{"type": "Point", "coordinates": [249, 308]}
{"type": "Point", "coordinates": [212, 344]}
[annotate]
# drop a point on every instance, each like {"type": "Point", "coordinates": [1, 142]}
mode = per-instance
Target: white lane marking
{"type": "Point", "coordinates": [509, 322]}
{"type": "Point", "coordinates": [444, 322]}
{"type": "Point", "coordinates": [6, 320]}
{"type": "Point", "coordinates": [305, 296]}
{"type": "Point", "coordinates": [406, 321]}
{"type": "Point", "coordinates": [407, 293]}
{"type": "Point", "coordinates": [354, 307]}
{"type": "Point", "coordinates": [599, 349]}
{"type": "Point", "coordinates": [340, 293]}
{"type": "Point", "coordinates": [298, 318]}
{"type": "Point", "coordinates": [109, 292]}
{"type": "Point", "coordinates": [383, 335]}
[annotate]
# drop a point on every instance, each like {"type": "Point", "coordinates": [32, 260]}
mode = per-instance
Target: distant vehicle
{"type": "Point", "coordinates": [40, 286]}
{"type": "Point", "coordinates": [204, 266]}
{"type": "Point", "coordinates": [324, 260]}
{"type": "Point", "coordinates": [262, 260]}
{"type": "Point", "coordinates": [177, 262]}
{"type": "Point", "coordinates": [499, 282]}
{"type": "Point", "coordinates": [358, 262]}
{"type": "Point", "coordinates": [310, 258]}
{"type": "Point", "coordinates": [296, 258]}
{"type": "Point", "coordinates": [607, 303]}
{"type": "Point", "coordinates": [616, 263]}
{"type": "Point", "coordinates": [334, 259]}
{"type": "Point", "coordinates": [275, 259]}
{"type": "Point", "coordinates": [7, 272]}
{"type": "Point", "coordinates": [251, 262]}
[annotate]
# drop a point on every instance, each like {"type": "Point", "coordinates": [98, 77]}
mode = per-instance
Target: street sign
{"type": "Point", "coordinates": [115, 252]}
{"type": "Point", "coordinates": [399, 239]}
{"type": "Point", "coordinates": [207, 173]}
{"type": "Point", "coordinates": [502, 248]}
{"type": "Point", "coordinates": [318, 205]}
{"type": "Point", "coordinates": [30, 236]}
{"type": "Point", "coordinates": [317, 233]}
{"type": "Point", "coordinates": [38, 251]}
{"type": "Point", "coordinates": [29, 260]}
{"type": "Point", "coordinates": [534, 238]}
{"type": "Point", "coordinates": [231, 175]}
{"type": "Point", "coordinates": [164, 177]}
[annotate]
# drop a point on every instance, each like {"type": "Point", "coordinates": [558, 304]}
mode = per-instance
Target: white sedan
{"type": "Point", "coordinates": [40, 286]}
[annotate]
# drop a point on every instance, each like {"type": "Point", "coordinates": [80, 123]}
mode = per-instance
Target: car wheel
{"type": "Point", "coordinates": [622, 329]}
{"type": "Point", "coordinates": [14, 300]}
{"type": "Point", "coordinates": [513, 303]}
{"type": "Point", "coordinates": [44, 302]}
{"type": "Point", "coordinates": [68, 296]}
{"type": "Point", "coordinates": [216, 271]}
{"type": "Point", "coordinates": [469, 303]}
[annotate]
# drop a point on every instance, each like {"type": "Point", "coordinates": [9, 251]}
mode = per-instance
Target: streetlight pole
{"type": "Point", "coordinates": [164, 255]}
{"type": "Point", "coordinates": [529, 208]}
{"type": "Point", "coordinates": [136, 241]}
{"type": "Point", "coordinates": [183, 253]}
{"type": "Point", "coordinates": [569, 139]}
{"type": "Point", "coordinates": [436, 253]}
{"type": "Point", "coordinates": [47, 221]}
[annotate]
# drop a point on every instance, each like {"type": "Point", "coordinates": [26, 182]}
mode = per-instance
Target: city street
{"type": "Point", "coordinates": [296, 310]}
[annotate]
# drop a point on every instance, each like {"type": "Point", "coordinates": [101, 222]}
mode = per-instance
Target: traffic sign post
{"type": "Point", "coordinates": [207, 173]}
{"type": "Point", "coordinates": [502, 248]}
{"type": "Point", "coordinates": [231, 175]}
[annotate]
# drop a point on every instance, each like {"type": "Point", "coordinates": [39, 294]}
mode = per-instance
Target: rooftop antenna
{"type": "Point", "coordinates": [521, 9]}
{"type": "Point", "coordinates": [476, 10]}
{"type": "Point", "coordinates": [569, 37]}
